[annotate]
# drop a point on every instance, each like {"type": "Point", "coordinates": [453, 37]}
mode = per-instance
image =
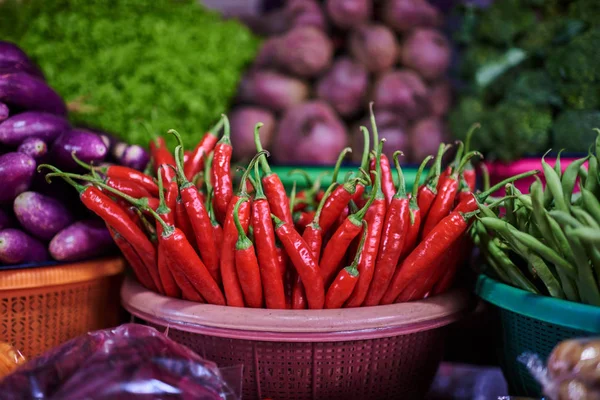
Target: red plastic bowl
{"type": "Point", "coordinates": [384, 352]}
{"type": "Point", "coordinates": [500, 171]}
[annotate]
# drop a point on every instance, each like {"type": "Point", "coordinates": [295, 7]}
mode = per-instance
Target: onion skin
{"type": "Point", "coordinates": [375, 47]}
{"type": "Point", "coordinates": [310, 133]}
{"type": "Point", "coordinates": [272, 90]}
{"type": "Point", "coordinates": [428, 52]}
{"type": "Point", "coordinates": [242, 120]}
{"type": "Point", "coordinates": [344, 86]}
{"type": "Point", "coordinates": [304, 51]}
{"type": "Point", "coordinates": [403, 92]}
{"type": "Point", "coordinates": [347, 14]}
{"type": "Point", "coordinates": [406, 15]}
{"type": "Point", "coordinates": [425, 137]}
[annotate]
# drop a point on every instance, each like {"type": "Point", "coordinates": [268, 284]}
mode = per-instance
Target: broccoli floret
{"type": "Point", "coordinates": [535, 87]}
{"type": "Point", "coordinates": [578, 60]}
{"type": "Point", "coordinates": [476, 56]}
{"type": "Point", "coordinates": [518, 128]}
{"type": "Point", "coordinates": [573, 130]}
{"type": "Point", "coordinates": [540, 36]}
{"type": "Point", "coordinates": [504, 21]}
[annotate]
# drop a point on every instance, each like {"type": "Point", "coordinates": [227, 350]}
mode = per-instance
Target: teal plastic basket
{"type": "Point", "coordinates": [532, 323]}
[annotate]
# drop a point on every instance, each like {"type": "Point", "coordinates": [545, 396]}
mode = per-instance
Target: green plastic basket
{"type": "Point", "coordinates": [288, 180]}
{"type": "Point", "coordinates": [532, 323]}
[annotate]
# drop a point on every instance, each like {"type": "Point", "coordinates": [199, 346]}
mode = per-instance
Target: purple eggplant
{"type": "Point", "coordinates": [40, 215]}
{"type": "Point", "coordinates": [272, 90]}
{"type": "Point", "coordinates": [310, 133]}
{"type": "Point", "coordinates": [17, 247]}
{"type": "Point", "coordinates": [81, 240]}
{"type": "Point", "coordinates": [13, 59]}
{"type": "Point", "coordinates": [32, 124]}
{"type": "Point", "coordinates": [6, 219]}
{"type": "Point", "coordinates": [403, 92]}
{"type": "Point", "coordinates": [344, 86]}
{"type": "Point", "coordinates": [35, 148]}
{"type": "Point", "coordinates": [30, 93]}
{"type": "Point", "coordinates": [349, 13]}
{"type": "Point", "coordinates": [374, 46]}
{"type": "Point", "coordinates": [88, 146]}
{"type": "Point", "coordinates": [4, 112]}
{"type": "Point", "coordinates": [132, 156]}
{"type": "Point", "coordinates": [242, 119]}
{"type": "Point", "coordinates": [16, 172]}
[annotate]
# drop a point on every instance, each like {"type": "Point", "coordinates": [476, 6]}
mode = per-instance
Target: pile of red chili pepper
{"type": "Point", "coordinates": [191, 233]}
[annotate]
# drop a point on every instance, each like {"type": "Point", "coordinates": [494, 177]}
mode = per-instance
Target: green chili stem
{"type": "Point", "coordinates": [401, 192]}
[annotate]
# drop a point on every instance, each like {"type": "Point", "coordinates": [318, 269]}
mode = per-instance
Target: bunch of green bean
{"type": "Point", "coordinates": [548, 241]}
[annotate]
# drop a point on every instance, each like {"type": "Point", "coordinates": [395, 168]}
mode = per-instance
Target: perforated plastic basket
{"type": "Point", "coordinates": [532, 323]}
{"type": "Point", "coordinates": [43, 307]}
{"type": "Point", "coordinates": [385, 352]}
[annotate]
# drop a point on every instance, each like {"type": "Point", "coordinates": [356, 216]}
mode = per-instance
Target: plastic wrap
{"type": "Point", "coordinates": [572, 371]}
{"type": "Point", "coordinates": [10, 359]}
{"type": "Point", "coordinates": [129, 362]}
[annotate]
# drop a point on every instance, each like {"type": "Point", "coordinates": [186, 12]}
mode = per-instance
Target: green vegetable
{"type": "Point", "coordinates": [575, 126]}
{"type": "Point", "coordinates": [118, 61]}
{"type": "Point", "coordinates": [504, 21]}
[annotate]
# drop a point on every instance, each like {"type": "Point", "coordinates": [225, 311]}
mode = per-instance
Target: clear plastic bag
{"type": "Point", "coordinates": [572, 371]}
{"type": "Point", "coordinates": [129, 362]}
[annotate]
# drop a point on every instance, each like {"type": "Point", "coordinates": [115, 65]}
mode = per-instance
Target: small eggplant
{"type": "Point", "coordinates": [30, 93]}
{"type": "Point", "coordinates": [81, 240]}
{"type": "Point", "coordinates": [304, 51]}
{"type": "Point", "coordinates": [347, 14]}
{"type": "Point", "coordinates": [32, 124]}
{"type": "Point", "coordinates": [426, 51]}
{"type": "Point", "coordinates": [17, 247]}
{"type": "Point", "coordinates": [310, 133]}
{"type": "Point", "coordinates": [406, 15]}
{"type": "Point", "coordinates": [6, 219]}
{"type": "Point", "coordinates": [344, 86]}
{"type": "Point", "coordinates": [243, 119]}
{"type": "Point", "coordinates": [35, 148]}
{"type": "Point", "coordinates": [132, 156]}
{"type": "Point", "coordinates": [374, 46]}
{"type": "Point", "coordinates": [16, 173]}
{"type": "Point", "coordinates": [13, 59]}
{"type": "Point", "coordinates": [40, 215]}
{"type": "Point", "coordinates": [272, 90]}
{"type": "Point", "coordinates": [403, 92]}
{"type": "Point", "coordinates": [88, 146]}
{"type": "Point", "coordinates": [4, 112]}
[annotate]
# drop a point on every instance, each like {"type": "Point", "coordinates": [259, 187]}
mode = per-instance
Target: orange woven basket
{"type": "Point", "coordinates": [43, 307]}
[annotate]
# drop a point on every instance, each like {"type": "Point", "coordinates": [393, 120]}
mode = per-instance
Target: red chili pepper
{"type": "Point", "coordinates": [364, 164]}
{"type": "Point", "coordinates": [134, 260]}
{"type": "Point", "coordinates": [188, 292]}
{"type": "Point", "coordinates": [266, 249]}
{"type": "Point", "coordinates": [303, 261]}
{"type": "Point", "coordinates": [422, 259]}
{"type": "Point", "coordinates": [387, 181]}
{"type": "Point", "coordinates": [444, 201]}
{"type": "Point", "coordinates": [161, 156]}
{"type": "Point", "coordinates": [299, 301]}
{"type": "Point", "coordinates": [231, 282]}
{"type": "Point", "coordinates": [393, 236]}
{"type": "Point", "coordinates": [273, 187]}
{"type": "Point", "coordinates": [221, 174]}
{"type": "Point", "coordinates": [414, 225]}
{"type": "Point", "coordinates": [460, 254]}
{"type": "Point", "coordinates": [128, 187]}
{"type": "Point", "coordinates": [194, 164]}
{"type": "Point", "coordinates": [114, 216]}
{"type": "Point", "coordinates": [121, 173]}
{"type": "Point", "coordinates": [336, 203]}
{"type": "Point", "coordinates": [197, 216]}
{"type": "Point", "coordinates": [182, 221]}
{"type": "Point", "coordinates": [345, 282]}
{"type": "Point", "coordinates": [246, 263]}
{"type": "Point", "coordinates": [428, 191]}
{"type": "Point", "coordinates": [302, 219]}
{"type": "Point", "coordinates": [338, 244]}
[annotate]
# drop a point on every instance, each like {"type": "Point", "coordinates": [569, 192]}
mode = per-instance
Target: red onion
{"type": "Point", "coordinates": [403, 92]}
{"type": "Point", "coordinates": [243, 119]}
{"type": "Point", "coordinates": [272, 90]}
{"type": "Point", "coordinates": [349, 13]}
{"type": "Point", "coordinates": [374, 46]}
{"type": "Point", "coordinates": [425, 137]}
{"type": "Point", "coordinates": [426, 51]}
{"type": "Point", "coordinates": [405, 15]}
{"type": "Point", "coordinates": [344, 86]}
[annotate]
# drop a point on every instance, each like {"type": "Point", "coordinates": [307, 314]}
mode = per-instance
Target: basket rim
{"type": "Point", "coordinates": [62, 274]}
{"type": "Point", "coordinates": [295, 325]}
{"type": "Point", "coordinates": [560, 312]}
